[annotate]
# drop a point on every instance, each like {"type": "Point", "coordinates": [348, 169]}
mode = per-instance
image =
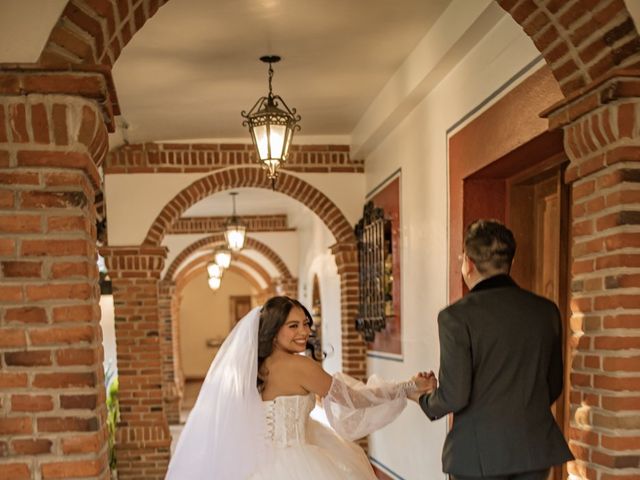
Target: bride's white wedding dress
{"type": "Point", "coordinates": [231, 434]}
{"type": "Point", "coordinates": [301, 447]}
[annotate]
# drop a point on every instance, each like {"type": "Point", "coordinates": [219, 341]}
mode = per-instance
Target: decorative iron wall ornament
{"type": "Point", "coordinates": [373, 232]}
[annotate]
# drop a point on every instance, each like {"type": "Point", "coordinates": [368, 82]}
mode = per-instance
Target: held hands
{"type": "Point", "coordinates": [426, 382]}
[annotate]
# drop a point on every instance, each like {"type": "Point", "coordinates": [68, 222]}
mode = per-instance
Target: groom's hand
{"type": "Point", "coordinates": [426, 382]}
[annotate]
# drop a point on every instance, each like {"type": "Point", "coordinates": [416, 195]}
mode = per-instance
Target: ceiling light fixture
{"type": "Point", "coordinates": [235, 229]}
{"type": "Point", "coordinates": [222, 257]}
{"type": "Point", "coordinates": [214, 283]}
{"type": "Point", "coordinates": [271, 127]}
{"type": "Point", "coordinates": [214, 270]}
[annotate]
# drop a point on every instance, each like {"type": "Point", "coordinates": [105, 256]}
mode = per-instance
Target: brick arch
{"type": "Point", "coordinates": [203, 260]}
{"type": "Point", "coordinates": [218, 238]}
{"type": "Point", "coordinates": [579, 43]}
{"type": "Point", "coordinates": [220, 181]}
{"type": "Point", "coordinates": [182, 281]}
{"type": "Point", "coordinates": [95, 32]}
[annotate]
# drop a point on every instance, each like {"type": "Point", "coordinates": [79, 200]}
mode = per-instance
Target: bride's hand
{"type": "Point", "coordinates": [426, 382]}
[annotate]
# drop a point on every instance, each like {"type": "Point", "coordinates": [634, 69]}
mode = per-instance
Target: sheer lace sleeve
{"type": "Point", "coordinates": [354, 409]}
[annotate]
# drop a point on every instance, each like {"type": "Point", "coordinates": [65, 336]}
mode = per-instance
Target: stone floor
{"type": "Point", "coordinates": [191, 390]}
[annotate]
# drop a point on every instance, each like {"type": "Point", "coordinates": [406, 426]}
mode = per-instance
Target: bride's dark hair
{"type": "Point", "coordinates": [272, 316]}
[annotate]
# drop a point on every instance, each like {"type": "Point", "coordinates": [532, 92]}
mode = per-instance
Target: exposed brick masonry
{"type": "Point", "coordinates": [353, 347]}
{"type": "Point", "coordinates": [96, 31]}
{"type": "Point", "coordinates": [288, 184]}
{"type": "Point", "coordinates": [602, 139]}
{"type": "Point", "coordinates": [183, 280]}
{"type": "Point", "coordinates": [581, 40]}
{"type": "Point", "coordinates": [52, 397]}
{"type": "Point", "coordinates": [142, 435]}
{"type": "Point", "coordinates": [255, 223]}
{"type": "Point", "coordinates": [212, 241]}
{"type": "Point", "coordinates": [237, 258]}
{"type": "Point", "coordinates": [205, 157]}
{"type": "Point", "coordinates": [170, 388]}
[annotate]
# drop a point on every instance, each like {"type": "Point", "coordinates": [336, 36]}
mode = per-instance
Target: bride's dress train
{"type": "Point", "coordinates": [231, 434]}
{"type": "Point", "coordinates": [303, 447]}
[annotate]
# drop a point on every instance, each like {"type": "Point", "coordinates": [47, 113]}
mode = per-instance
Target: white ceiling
{"type": "Point", "coordinates": [194, 65]}
{"type": "Point", "coordinates": [249, 201]}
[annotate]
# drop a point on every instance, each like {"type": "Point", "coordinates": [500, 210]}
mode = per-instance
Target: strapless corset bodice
{"type": "Point", "coordinates": [286, 419]}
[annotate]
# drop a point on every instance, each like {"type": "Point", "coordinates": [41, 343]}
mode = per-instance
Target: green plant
{"type": "Point", "coordinates": [113, 414]}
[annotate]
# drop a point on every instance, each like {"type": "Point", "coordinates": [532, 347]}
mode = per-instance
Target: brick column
{"type": "Point", "coordinates": [142, 436]}
{"type": "Point", "coordinates": [353, 347]}
{"type": "Point", "coordinates": [52, 397]}
{"type": "Point", "coordinates": [602, 139]}
{"type": "Point", "coordinates": [171, 396]}
{"type": "Point", "coordinates": [289, 287]}
{"type": "Point", "coordinates": [177, 354]}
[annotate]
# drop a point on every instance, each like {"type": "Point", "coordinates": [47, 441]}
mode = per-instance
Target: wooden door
{"type": "Point", "coordinates": [239, 306]}
{"type": "Point", "coordinates": [538, 215]}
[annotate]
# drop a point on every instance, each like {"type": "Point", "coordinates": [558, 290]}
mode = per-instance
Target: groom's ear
{"type": "Point", "coordinates": [471, 266]}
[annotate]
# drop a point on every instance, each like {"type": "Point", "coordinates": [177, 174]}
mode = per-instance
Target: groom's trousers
{"type": "Point", "coordinates": [538, 475]}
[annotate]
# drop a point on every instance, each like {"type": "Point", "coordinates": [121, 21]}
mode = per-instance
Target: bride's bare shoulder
{"type": "Point", "coordinates": [304, 364]}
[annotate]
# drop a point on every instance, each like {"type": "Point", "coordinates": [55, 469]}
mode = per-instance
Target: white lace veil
{"type": "Point", "coordinates": [223, 437]}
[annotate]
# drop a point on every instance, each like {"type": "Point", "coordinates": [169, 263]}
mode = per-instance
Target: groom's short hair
{"type": "Point", "coordinates": [490, 245]}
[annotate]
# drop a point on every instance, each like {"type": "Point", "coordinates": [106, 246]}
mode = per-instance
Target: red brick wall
{"type": "Point", "coordinates": [205, 157]}
{"type": "Point", "coordinates": [170, 391]}
{"type": "Point", "coordinates": [142, 435]}
{"type": "Point", "coordinates": [52, 397]}
{"type": "Point", "coordinates": [218, 239]}
{"type": "Point", "coordinates": [602, 138]}
{"type": "Point", "coordinates": [581, 40]}
{"type": "Point", "coordinates": [228, 179]}
{"type": "Point", "coordinates": [255, 223]}
{"type": "Point", "coordinates": [353, 347]}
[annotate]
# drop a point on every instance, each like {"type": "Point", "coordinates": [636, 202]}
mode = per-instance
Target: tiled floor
{"type": "Point", "coordinates": [191, 390]}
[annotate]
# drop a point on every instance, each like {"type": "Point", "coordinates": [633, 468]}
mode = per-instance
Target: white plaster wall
{"type": "Point", "coordinates": [316, 259]}
{"type": "Point", "coordinates": [343, 189]}
{"type": "Point", "coordinates": [205, 314]}
{"type": "Point", "coordinates": [418, 146]}
{"type": "Point", "coordinates": [285, 244]}
{"type": "Point", "coordinates": [107, 323]}
{"type": "Point", "coordinates": [133, 201]}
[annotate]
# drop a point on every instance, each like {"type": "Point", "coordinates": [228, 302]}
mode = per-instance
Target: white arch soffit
{"type": "Point", "coordinates": [255, 275]}
{"type": "Point", "coordinates": [260, 259]}
{"type": "Point", "coordinates": [263, 261]}
{"type": "Point", "coordinates": [241, 266]}
{"type": "Point", "coordinates": [177, 243]}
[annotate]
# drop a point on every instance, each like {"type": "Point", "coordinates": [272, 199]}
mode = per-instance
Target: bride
{"type": "Point", "coordinates": [251, 420]}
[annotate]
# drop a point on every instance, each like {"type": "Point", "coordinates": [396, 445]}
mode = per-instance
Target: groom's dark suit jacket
{"type": "Point", "coordinates": [500, 370]}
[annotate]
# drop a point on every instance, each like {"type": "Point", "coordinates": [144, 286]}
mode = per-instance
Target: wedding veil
{"type": "Point", "coordinates": [223, 436]}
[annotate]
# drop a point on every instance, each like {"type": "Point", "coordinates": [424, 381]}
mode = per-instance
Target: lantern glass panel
{"type": "Point", "coordinates": [223, 258]}
{"type": "Point", "coordinates": [262, 141]}
{"type": "Point", "coordinates": [214, 270]}
{"type": "Point", "coordinates": [235, 237]}
{"type": "Point", "coordinates": [214, 283]}
{"type": "Point", "coordinates": [276, 139]}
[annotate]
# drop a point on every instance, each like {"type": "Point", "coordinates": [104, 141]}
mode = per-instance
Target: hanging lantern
{"type": "Point", "coordinates": [222, 257]}
{"type": "Point", "coordinates": [235, 229]}
{"type": "Point", "coordinates": [271, 127]}
{"type": "Point", "coordinates": [214, 283]}
{"type": "Point", "coordinates": [214, 270]}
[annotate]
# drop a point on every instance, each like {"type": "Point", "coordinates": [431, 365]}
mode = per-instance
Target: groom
{"type": "Point", "coordinates": [500, 369]}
